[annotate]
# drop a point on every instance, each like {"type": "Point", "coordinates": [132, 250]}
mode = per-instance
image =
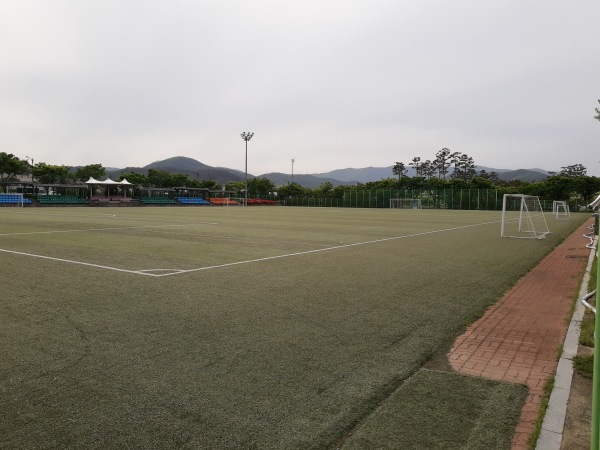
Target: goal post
{"type": "Point", "coordinates": [561, 210]}
{"type": "Point", "coordinates": [523, 217]}
{"type": "Point", "coordinates": [16, 199]}
{"type": "Point", "coordinates": [406, 203]}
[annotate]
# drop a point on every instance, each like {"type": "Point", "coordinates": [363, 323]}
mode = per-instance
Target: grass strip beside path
{"type": "Point", "coordinates": [468, 413]}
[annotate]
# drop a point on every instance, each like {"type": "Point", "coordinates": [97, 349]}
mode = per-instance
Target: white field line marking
{"type": "Point", "coordinates": [307, 252]}
{"type": "Point", "coordinates": [72, 262]}
{"type": "Point", "coordinates": [146, 272]}
{"type": "Point", "coordinates": [95, 215]}
{"type": "Point", "coordinates": [105, 229]}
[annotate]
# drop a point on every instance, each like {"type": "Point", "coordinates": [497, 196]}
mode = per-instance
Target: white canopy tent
{"type": "Point", "coordinates": [108, 183]}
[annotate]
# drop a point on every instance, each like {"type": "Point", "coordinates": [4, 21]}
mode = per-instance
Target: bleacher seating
{"type": "Point", "coordinates": [223, 201]}
{"type": "Point", "coordinates": [157, 201]}
{"type": "Point", "coordinates": [192, 201]}
{"type": "Point", "coordinates": [260, 201]}
{"type": "Point", "coordinates": [61, 200]}
{"type": "Point", "coordinates": [99, 199]}
{"type": "Point", "coordinates": [11, 199]}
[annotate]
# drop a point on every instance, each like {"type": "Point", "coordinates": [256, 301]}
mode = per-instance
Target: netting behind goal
{"type": "Point", "coordinates": [406, 203]}
{"type": "Point", "coordinates": [523, 217]}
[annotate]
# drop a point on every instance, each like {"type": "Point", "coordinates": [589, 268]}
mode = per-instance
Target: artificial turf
{"type": "Point", "coordinates": [467, 413]}
{"type": "Point", "coordinates": [241, 351]}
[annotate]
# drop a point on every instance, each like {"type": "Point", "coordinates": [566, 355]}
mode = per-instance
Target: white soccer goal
{"type": "Point", "coordinates": [561, 210]}
{"type": "Point", "coordinates": [523, 217]}
{"type": "Point", "coordinates": [12, 199]}
{"type": "Point", "coordinates": [406, 203]}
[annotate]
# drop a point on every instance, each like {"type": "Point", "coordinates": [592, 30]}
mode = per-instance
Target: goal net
{"type": "Point", "coordinates": [523, 217]}
{"type": "Point", "coordinates": [406, 203]}
{"type": "Point", "coordinates": [561, 210]}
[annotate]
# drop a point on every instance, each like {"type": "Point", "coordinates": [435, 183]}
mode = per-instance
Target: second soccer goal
{"type": "Point", "coordinates": [406, 203]}
{"type": "Point", "coordinates": [523, 217]}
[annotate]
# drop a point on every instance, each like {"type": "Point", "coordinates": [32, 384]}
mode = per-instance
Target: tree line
{"type": "Point", "coordinates": [572, 182]}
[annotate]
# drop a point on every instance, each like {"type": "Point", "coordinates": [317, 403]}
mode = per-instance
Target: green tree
{"type": "Point", "coordinates": [339, 191]}
{"type": "Point", "coordinates": [464, 166]}
{"type": "Point", "coordinates": [587, 187]}
{"type": "Point", "coordinates": [134, 178]}
{"type": "Point", "coordinates": [92, 170]}
{"type": "Point", "coordinates": [11, 166]}
{"type": "Point", "coordinates": [481, 183]}
{"type": "Point", "coordinates": [235, 186]}
{"type": "Point", "coordinates": [325, 189]}
{"type": "Point", "coordinates": [260, 186]}
{"type": "Point", "coordinates": [213, 185]}
{"type": "Point", "coordinates": [180, 180]}
{"type": "Point", "coordinates": [415, 183]}
{"type": "Point", "coordinates": [159, 178]}
{"type": "Point", "coordinates": [416, 163]}
{"type": "Point", "coordinates": [49, 174]}
{"type": "Point", "coordinates": [291, 190]}
{"type": "Point", "coordinates": [400, 170]}
{"type": "Point", "coordinates": [555, 188]}
{"type": "Point", "coordinates": [386, 183]}
{"type": "Point", "coordinates": [576, 170]}
{"type": "Point", "coordinates": [428, 169]}
{"type": "Point", "coordinates": [443, 162]}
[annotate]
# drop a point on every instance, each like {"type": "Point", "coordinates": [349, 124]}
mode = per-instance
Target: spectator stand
{"type": "Point", "coordinates": [192, 196]}
{"type": "Point", "coordinates": [157, 196]}
{"type": "Point", "coordinates": [60, 194]}
{"type": "Point", "coordinates": [225, 198]}
{"type": "Point", "coordinates": [47, 194]}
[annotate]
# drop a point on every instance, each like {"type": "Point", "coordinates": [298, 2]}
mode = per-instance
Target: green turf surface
{"type": "Point", "coordinates": [288, 329]}
{"type": "Point", "coordinates": [468, 413]}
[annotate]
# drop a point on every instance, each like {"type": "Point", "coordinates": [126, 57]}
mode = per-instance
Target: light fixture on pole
{"type": "Point", "coordinates": [29, 158]}
{"type": "Point", "coordinates": [293, 161]}
{"type": "Point", "coordinates": [246, 136]}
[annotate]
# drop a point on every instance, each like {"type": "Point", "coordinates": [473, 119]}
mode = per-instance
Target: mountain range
{"type": "Point", "coordinates": [196, 170]}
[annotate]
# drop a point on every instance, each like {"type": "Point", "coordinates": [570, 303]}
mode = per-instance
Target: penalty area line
{"type": "Point", "coordinates": [81, 263]}
{"type": "Point", "coordinates": [318, 250]}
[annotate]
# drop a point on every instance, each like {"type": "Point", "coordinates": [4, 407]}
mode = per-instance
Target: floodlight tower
{"type": "Point", "coordinates": [293, 161]}
{"type": "Point", "coordinates": [29, 158]}
{"type": "Point", "coordinates": [246, 136]}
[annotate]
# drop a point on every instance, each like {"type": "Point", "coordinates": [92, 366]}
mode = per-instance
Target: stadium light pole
{"type": "Point", "coordinates": [293, 161]}
{"type": "Point", "coordinates": [29, 158]}
{"type": "Point", "coordinates": [246, 137]}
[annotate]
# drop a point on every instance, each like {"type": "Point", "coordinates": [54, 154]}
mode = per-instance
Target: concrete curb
{"type": "Point", "coordinates": [554, 421]}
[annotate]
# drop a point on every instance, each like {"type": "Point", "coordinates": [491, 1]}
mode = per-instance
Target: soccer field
{"type": "Point", "coordinates": [259, 327]}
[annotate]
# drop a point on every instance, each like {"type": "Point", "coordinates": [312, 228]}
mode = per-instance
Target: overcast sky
{"type": "Point", "coordinates": [333, 84]}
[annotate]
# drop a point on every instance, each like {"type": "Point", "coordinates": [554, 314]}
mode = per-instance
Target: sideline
{"type": "Point", "coordinates": [551, 433]}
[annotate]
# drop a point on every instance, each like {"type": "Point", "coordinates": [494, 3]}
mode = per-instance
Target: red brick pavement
{"type": "Point", "coordinates": [518, 338]}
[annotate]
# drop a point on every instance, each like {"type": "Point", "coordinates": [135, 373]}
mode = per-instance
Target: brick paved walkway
{"type": "Point", "coordinates": [518, 339]}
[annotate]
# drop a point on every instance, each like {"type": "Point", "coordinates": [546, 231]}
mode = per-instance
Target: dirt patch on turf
{"type": "Point", "coordinates": [577, 431]}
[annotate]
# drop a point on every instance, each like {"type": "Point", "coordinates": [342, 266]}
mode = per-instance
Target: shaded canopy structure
{"type": "Point", "coordinates": [108, 183]}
